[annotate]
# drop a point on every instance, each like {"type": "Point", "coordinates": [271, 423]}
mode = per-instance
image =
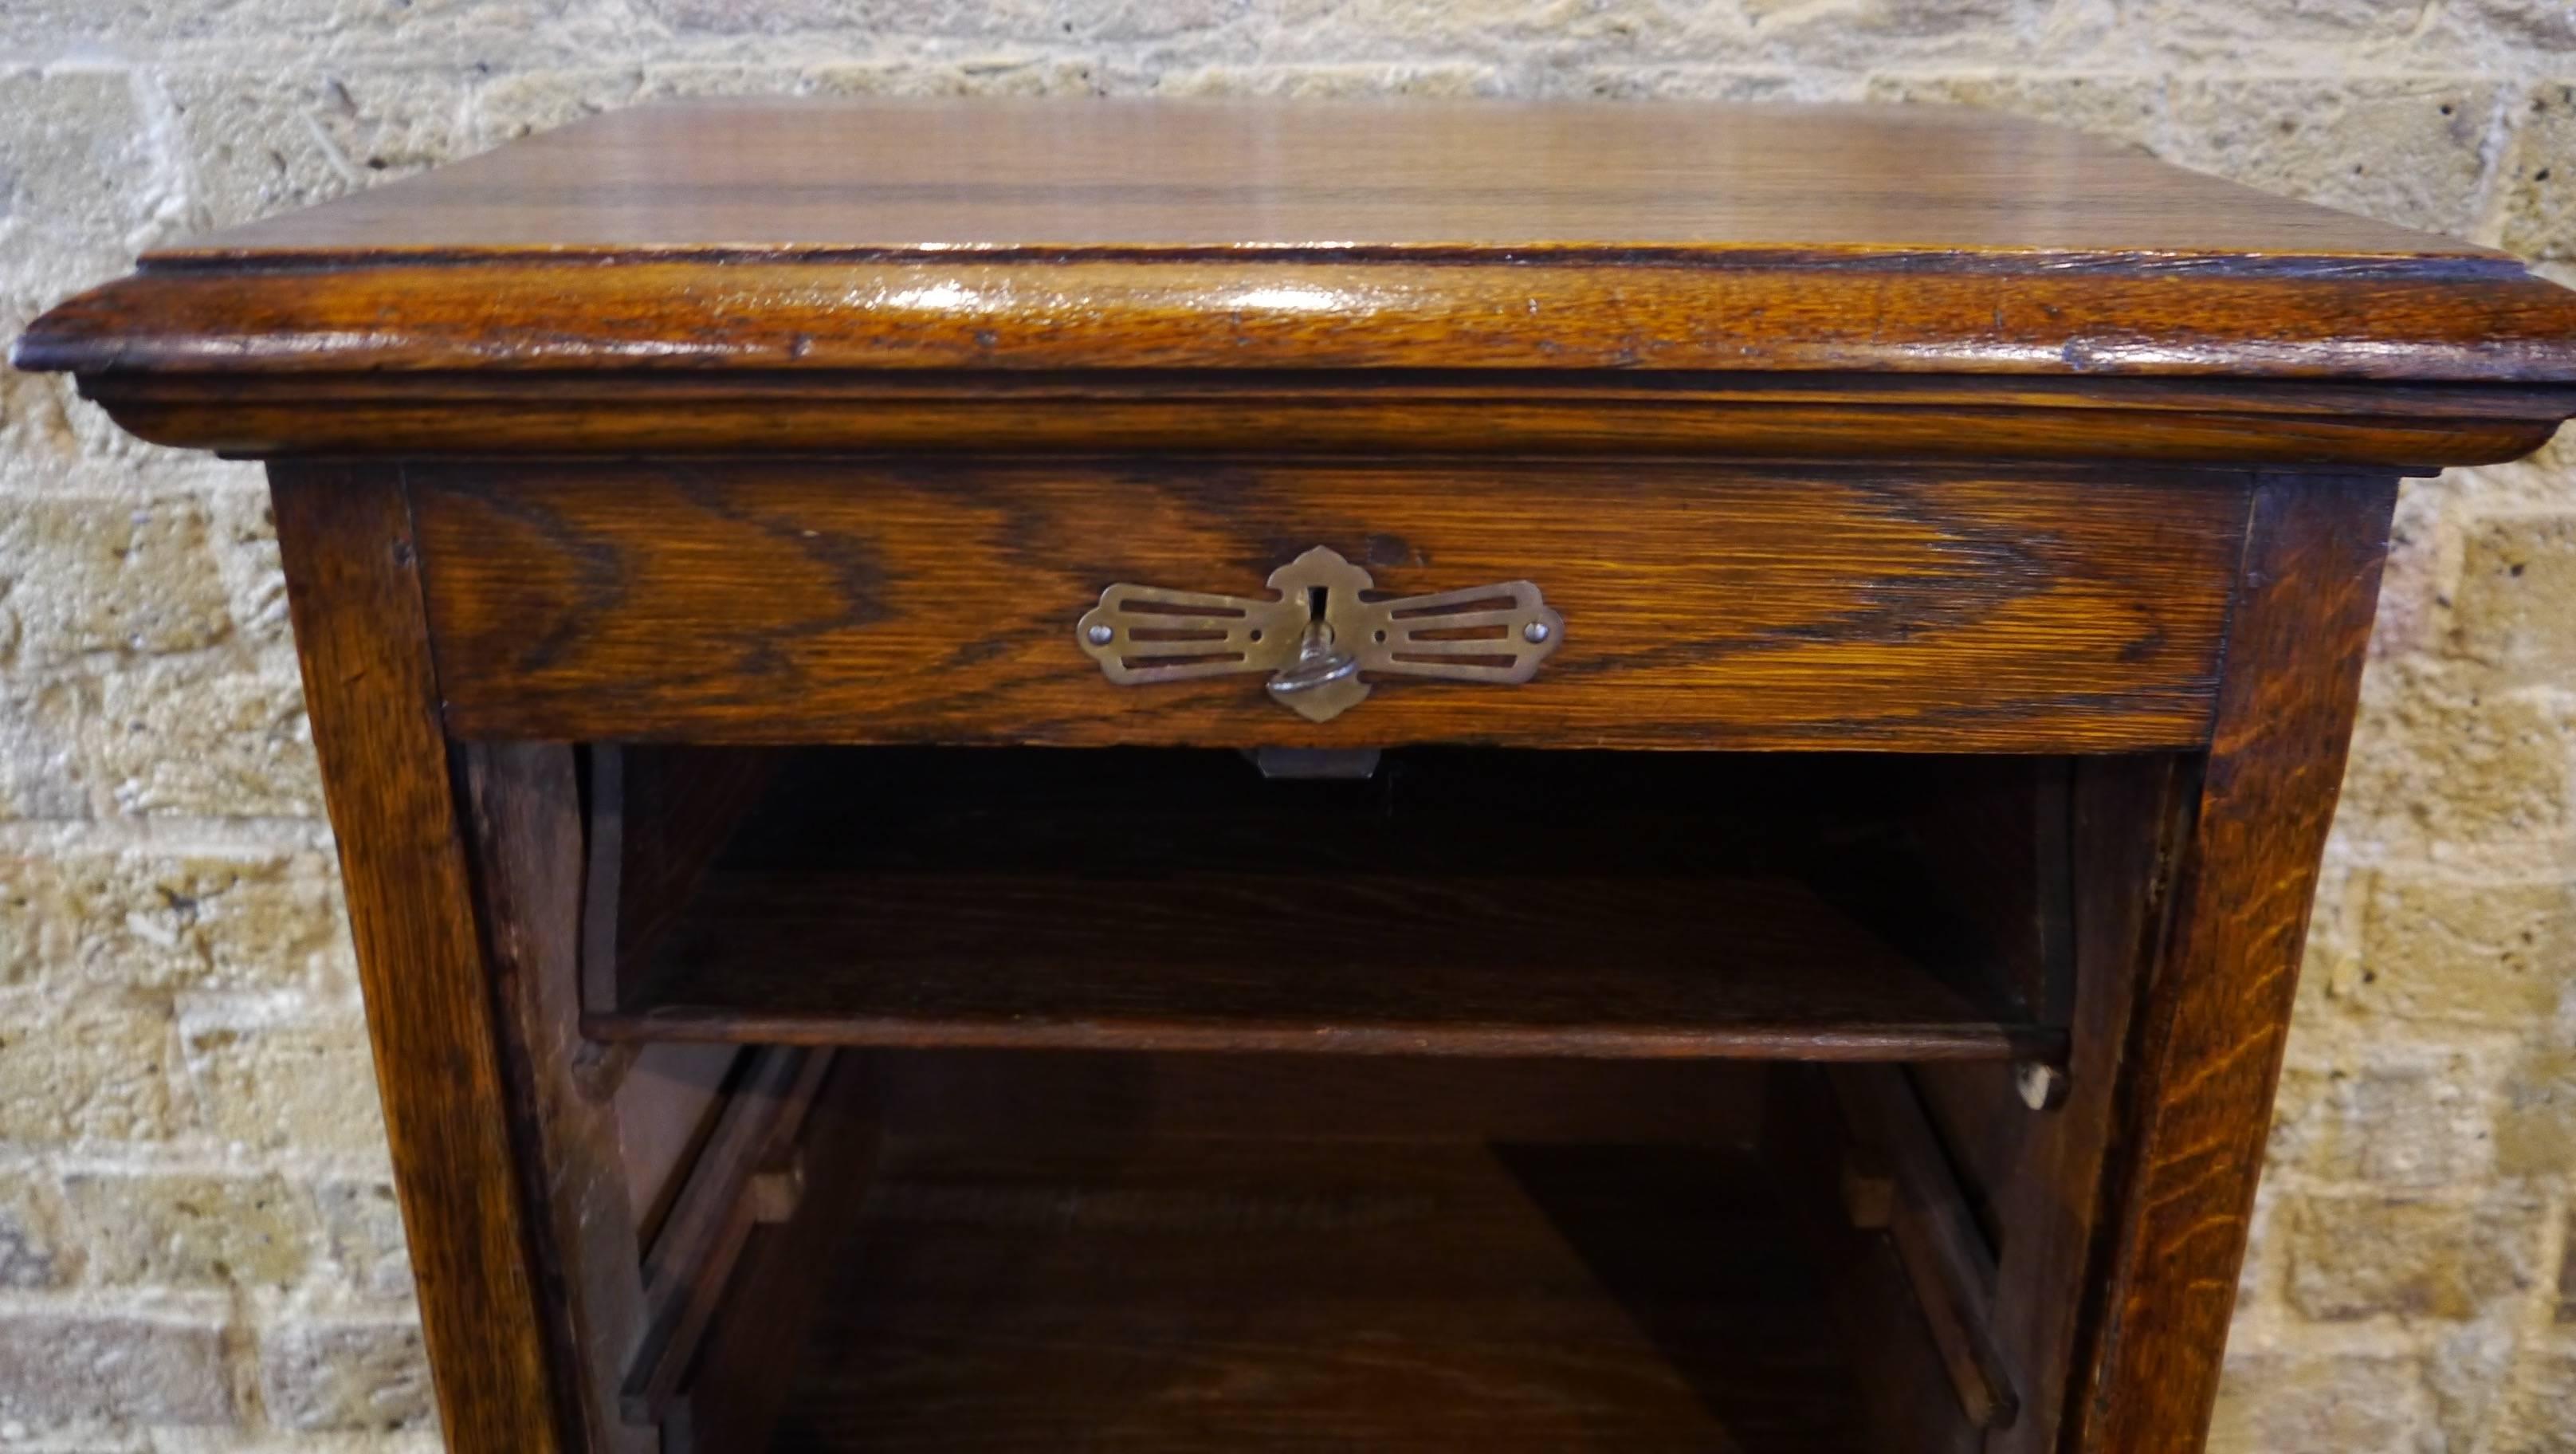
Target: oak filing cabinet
{"type": "Point", "coordinates": [1174, 777]}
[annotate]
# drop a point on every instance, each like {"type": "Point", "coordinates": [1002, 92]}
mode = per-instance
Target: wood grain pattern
{"type": "Point", "coordinates": [877, 235]}
{"type": "Point", "coordinates": [784, 260]}
{"type": "Point", "coordinates": [1546, 1298]}
{"type": "Point", "coordinates": [346, 545]}
{"type": "Point", "coordinates": [1510, 412]}
{"type": "Point", "coordinates": [2037, 1178]}
{"type": "Point", "coordinates": [524, 806]}
{"type": "Point", "coordinates": [2194, 1104]}
{"type": "Point", "coordinates": [772, 176]}
{"type": "Point", "coordinates": [1575, 965]}
{"type": "Point", "coordinates": [1704, 608]}
{"type": "Point", "coordinates": [1931, 312]}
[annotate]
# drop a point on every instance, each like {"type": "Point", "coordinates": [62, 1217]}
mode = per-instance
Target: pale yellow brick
{"type": "Point", "coordinates": [2367, 1256]}
{"type": "Point", "coordinates": [2567, 1274]}
{"type": "Point", "coordinates": [363, 1224]}
{"type": "Point", "coordinates": [2517, 596]}
{"type": "Point", "coordinates": [40, 430]}
{"type": "Point", "coordinates": [768, 17]}
{"type": "Point", "coordinates": [2271, 1403]}
{"type": "Point", "coordinates": [1410, 30]}
{"type": "Point", "coordinates": [2536, 1118]}
{"type": "Point", "coordinates": [208, 735]}
{"type": "Point", "coordinates": [36, 1249]}
{"type": "Point", "coordinates": [2465, 1369]}
{"type": "Point", "coordinates": [1026, 21]}
{"type": "Point", "coordinates": [2222, 28]}
{"type": "Point", "coordinates": [180, 1231]}
{"type": "Point", "coordinates": [2439, 946]}
{"type": "Point", "coordinates": [2122, 107]}
{"type": "Point", "coordinates": [151, 919]}
{"type": "Point", "coordinates": [2540, 178]}
{"type": "Point", "coordinates": [90, 1071]}
{"type": "Point", "coordinates": [258, 143]}
{"type": "Point", "coordinates": [250, 34]}
{"type": "Point", "coordinates": [356, 1375]}
{"type": "Point", "coordinates": [2414, 601]}
{"type": "Point", "coordinates": [1700, 83]}
{"type": "Point", "coordinates": [2402, 1116]}
{"type": "Point", "coordinates": [2408, 150]}
{"type": "Point", "coordinates": [2540, 1412]}
{"type": "Point", "coordinates": [41, 718]}
{"type": "Point", "coordinates": [71, 1365]}
{"type": "Point", "coordinates": [2259, 1272]}
{"type": "Point", "coordinates": [82, 575]}
{"type": "Point", "coordinates": [86, 185]}
{"type": "Point", "coordinates": [102, 1434]}
{"type": "Point", "coordinates": [2541, 482]}
{"type": "Point", "coordinates": [998, 74]}
{"type": "Point", "coordinates": [533, 101]}
{"type": "Point", "coordinates": [1452, 79]}
{"type": "Point", "coordinates": [270, 1083]}
{"type": "Point", "coordinates": [2444, 753]}
{"type": "Point", "coordinates": [1863, 35]}
{"type": "Point", "coordinates": [1183, 29]}
{"type": "Point", "coordinates": [2500, 32]}
{"type": "Point", "coordinates": [244, 528]}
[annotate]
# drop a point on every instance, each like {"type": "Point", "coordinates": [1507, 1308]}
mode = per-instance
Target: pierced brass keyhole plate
{"type": "Point", "coordinates": [1322, 638]}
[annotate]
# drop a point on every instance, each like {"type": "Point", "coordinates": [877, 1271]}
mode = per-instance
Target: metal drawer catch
{"type": "Point", "coordinates": [1323, 637]}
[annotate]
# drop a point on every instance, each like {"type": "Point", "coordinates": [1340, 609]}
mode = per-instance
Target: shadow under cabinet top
{"type": "Point", "coordinates": [1716, 279]}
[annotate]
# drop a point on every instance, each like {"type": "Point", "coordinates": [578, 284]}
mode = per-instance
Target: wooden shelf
{"type": "Point", "coordinates": [1483, 905]}
{"type": "Point", "coordinates": [1559, 966]}
{"type": "Point", "coordinates": [1137, 1297]}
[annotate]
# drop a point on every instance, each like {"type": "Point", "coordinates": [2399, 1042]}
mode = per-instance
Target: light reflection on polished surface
{"type": "Point", "coordinates": [1248, 177]}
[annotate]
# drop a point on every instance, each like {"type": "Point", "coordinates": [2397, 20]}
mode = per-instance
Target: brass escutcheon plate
{"type": "Point", "coordinates": [1322, 638]}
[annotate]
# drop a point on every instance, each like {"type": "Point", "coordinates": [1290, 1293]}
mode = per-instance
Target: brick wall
{"type": "Point", "coordinates": [198, 1249]}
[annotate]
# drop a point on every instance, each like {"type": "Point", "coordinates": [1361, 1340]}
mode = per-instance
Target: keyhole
{"type": "Point", "coordinates": [1315, 597]}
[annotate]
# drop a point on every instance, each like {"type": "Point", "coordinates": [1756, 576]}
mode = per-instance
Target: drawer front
{"type": "Point", "coordinates": [1701, 607]}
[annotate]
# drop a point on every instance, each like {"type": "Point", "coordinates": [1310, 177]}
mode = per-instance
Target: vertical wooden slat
{"type": "Point", "coordinates": [2195, 1100]}
{"type": "Point", "coordinates": [2044, 1169]}
{"type": "Point", "coordinates": [523, 802]}
{"type": "Point", "coordinates": [345, 538]}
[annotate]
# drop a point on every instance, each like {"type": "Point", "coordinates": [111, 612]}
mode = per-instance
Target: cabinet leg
{"type": "Point", "coordinates": [2203, 1057]}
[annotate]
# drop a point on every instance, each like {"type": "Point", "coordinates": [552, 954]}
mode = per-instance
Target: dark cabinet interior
{"type": "Point", "coordinates": [1147, 1099]}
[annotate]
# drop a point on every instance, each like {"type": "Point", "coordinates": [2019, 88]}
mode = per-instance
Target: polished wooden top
{"type": "Point", "coordinates": [980, 275]}
{"type": "Point", "coordinates": [797, 178]}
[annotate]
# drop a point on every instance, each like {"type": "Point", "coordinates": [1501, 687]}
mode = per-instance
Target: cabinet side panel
{"type": "Point", "coordinates": [2195, 1103]}
{"type": "Point", "coordinates": [525, 812]}
{"type": "Point", "coordinates": [345, 538]}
